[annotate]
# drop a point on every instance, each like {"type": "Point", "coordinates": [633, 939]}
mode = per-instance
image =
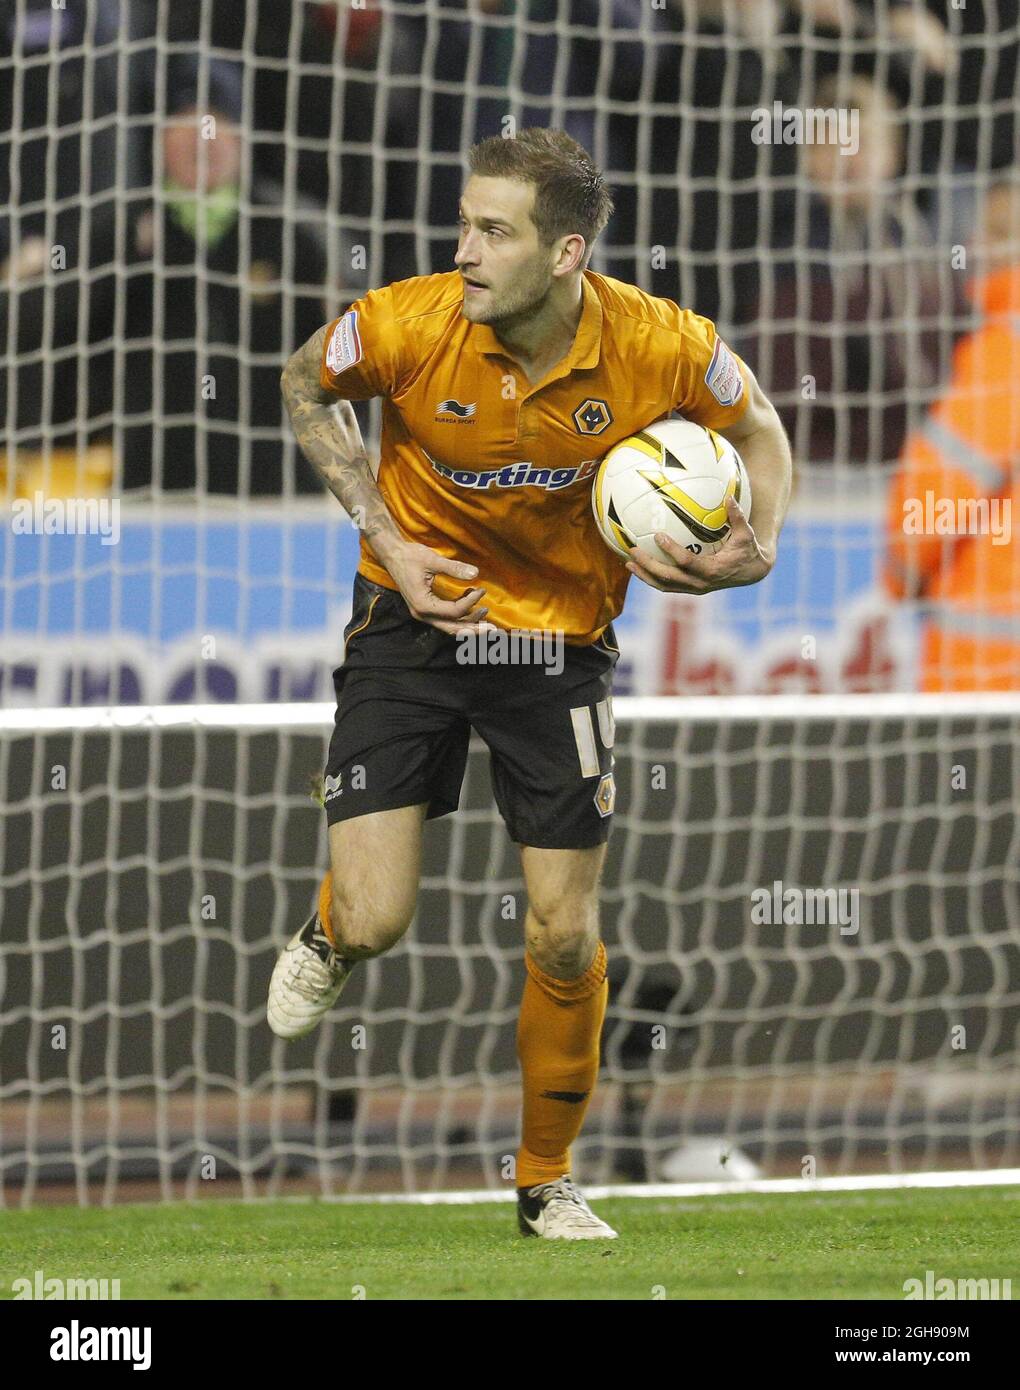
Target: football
{"type": "Point", "coordinates": [674, 477]}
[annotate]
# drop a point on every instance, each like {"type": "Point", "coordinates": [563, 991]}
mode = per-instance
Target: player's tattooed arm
{"type": "Point", "coordinates": [328, 434]}
{"type": "Point", "coordinates": [327, 430]}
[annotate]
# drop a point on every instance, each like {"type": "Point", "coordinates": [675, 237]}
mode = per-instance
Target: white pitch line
{"type": "Point", "coordinates": [874, 1182]}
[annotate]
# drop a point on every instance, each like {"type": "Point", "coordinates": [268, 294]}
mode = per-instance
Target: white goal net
{"type": "Point", "coordinates": [811, 905]}
{"type": "Point", "coordinates": [811, 919]}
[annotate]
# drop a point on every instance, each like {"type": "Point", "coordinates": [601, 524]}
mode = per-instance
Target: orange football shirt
{"type": "Point", "coordinates": [483, 467]}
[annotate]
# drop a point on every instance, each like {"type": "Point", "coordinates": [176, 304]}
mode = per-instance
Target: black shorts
{"type": "Point", "coordinates": [407, 700]}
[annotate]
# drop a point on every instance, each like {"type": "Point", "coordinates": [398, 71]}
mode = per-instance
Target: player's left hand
{"type": "Point", "coordinates": [740, 560]}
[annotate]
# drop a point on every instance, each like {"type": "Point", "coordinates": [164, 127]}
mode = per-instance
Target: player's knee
{"type": "Point", "coordinates": [562, 940]}
{"type": "Point", "coordinates": [364, 929]}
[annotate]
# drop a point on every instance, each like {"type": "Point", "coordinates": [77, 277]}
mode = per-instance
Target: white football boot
{"type": "Point", "coordinates": [557, 1211]}
{"type": "Point", "coordinates": [306, 982]}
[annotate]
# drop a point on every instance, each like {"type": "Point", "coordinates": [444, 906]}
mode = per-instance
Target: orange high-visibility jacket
{"type": "Point", "coordinates": [953, 503]}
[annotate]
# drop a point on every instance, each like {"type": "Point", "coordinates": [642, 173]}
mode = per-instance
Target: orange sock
{"type": "Point", "coordinates": [325, 899]}
{"type": "Point", "coordinates": [558, 1045]}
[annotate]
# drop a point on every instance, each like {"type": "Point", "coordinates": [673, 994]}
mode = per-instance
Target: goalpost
{"type": "Point", "coordinates": [811, 902]}
{"type": "Point", "coordinates": [811, 911]}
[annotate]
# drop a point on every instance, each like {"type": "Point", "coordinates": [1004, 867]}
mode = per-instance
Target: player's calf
{"type": "Point", "coordinates": [316, 963]}
{"type": "Point", "coordinates": [361, 931]}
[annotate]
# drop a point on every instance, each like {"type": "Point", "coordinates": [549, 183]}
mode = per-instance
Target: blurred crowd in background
{"type": "Point", "coordinates": [187, 260]}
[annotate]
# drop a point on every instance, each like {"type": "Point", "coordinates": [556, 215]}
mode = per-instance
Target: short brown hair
{"type": "Point", "coordinates": [570, 192]}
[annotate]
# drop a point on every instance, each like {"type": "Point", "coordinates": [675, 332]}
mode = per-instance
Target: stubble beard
{"type": "Point", "coordinates": [516, 306]}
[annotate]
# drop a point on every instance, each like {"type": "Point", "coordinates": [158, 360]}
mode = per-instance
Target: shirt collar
{"type": "Point", "coordinates": [587, 340]}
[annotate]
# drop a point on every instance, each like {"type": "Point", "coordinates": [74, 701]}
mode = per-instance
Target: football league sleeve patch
{"type": "Point", "coordinates": [344, 350]}
{"type": "Point", "coordinates": [723, 376]}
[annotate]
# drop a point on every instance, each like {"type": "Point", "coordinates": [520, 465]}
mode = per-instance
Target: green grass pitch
{"type": "Point", "coordinates": [815, 1246]}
